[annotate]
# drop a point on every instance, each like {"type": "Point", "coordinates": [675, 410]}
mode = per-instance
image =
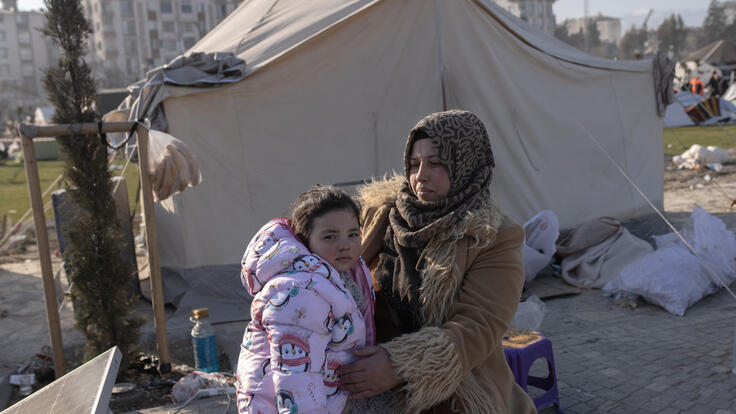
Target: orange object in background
{"type": "Point", "coordinates": [697, 86]}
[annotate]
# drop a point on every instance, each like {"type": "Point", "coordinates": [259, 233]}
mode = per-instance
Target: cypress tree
{"type": "Point", "coordinates": [100, 277]}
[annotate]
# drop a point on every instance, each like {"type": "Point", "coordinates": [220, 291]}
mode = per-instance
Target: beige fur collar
{"type": "Point", "coordinates": [381, 191]}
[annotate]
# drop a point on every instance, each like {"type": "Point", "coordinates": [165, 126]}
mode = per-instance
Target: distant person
{"type": "Point", "coordinates": [717, 85]}
{"type": "Point", "coordinates": [697, 86]}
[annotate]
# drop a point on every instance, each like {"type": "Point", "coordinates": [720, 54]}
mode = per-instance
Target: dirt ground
{"type": "Point", "coordinates": [715, 191]}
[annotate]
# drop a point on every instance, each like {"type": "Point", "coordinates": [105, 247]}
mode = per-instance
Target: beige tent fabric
{"type": "Point", "coordinates": [334, 87]}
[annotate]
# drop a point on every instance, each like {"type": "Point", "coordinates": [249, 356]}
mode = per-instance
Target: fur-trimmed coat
{"type": "Point", "coordinates": [470, 290]}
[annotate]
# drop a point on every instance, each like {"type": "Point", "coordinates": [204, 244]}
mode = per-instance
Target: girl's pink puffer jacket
{"type": "Point", "coordinates": [304, 325]}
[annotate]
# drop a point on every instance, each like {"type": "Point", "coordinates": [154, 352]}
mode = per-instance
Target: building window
{"type": "Point", "coordinates": [186, 6]}
{"type": "Point", "coordinates": [151, 6]}
{"type": "Point", "coordinates": [21, 19]}
{"type": "Point", "coordinates": [24, 37]}
{"type": "Point", "coordinates": [3, 53]}
{"type": "Point", "coordinates": [130, 46]}
{"type": "Point", "coordinates": [189, 42]}
{"type": "Point", "coordinates": [168, 45]}
{"type": "Point", "coordinates": [97, 8]}
{"type": "Point", "coordinates": [126, 8]}
{"type": "Point", "coordinates": [25, 54]}
{"type": "Point", "coordinates": [166, 6]}
{"type": "Point", "coordinates": [152, 25]}
{"type": "Point", "coordinates": [167, 27]}
{"type": "Point", "coordinates": [129, 27]}
{"type": "Point", "coordinates": [99, 45]}
{"type": "Point", "coordinates": [189, 27]}
{"type": "Point", "coordinates": [26, 68]}
{"type": "Point", "coordinates": [4, 70]}
{"type": "Point", "coordinates": [132, 66]}
{"type": "Point", "coordinates": [29, 83]}
{"type": "Point", "coordinates": [2, 36]}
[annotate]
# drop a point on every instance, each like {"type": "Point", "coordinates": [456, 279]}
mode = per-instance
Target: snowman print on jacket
{"type": "Point", "coordinates": [329, 376]}
{"type": "Point", "coordinates": [342, 328]}
{"type": "Point", "coordinates": [312, 264]}
{"type": "Point", "coordinates": [285, 402]}
{"type": "Point", "coordinates": [293, 354]}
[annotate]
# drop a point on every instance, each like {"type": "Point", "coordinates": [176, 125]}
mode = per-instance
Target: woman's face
{"type": "Point", "coordinates": [428, 178]}
{"type": "Point", "coordinates": [335, 237]}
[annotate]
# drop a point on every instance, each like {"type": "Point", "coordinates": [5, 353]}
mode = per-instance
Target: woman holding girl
{"type": "Point", "coordinates": [448, 275]}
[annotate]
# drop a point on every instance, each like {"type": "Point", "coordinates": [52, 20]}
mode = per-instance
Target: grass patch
{"type": "Point", "coordinates": [680, 139]}
{"type": "Point", "coordinates": [14, 197]}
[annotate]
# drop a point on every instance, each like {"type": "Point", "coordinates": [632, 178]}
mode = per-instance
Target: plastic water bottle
{"type": "Point", "coordinates": [204, 341]}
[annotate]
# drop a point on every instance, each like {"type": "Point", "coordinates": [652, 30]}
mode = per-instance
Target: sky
{"type": "Point", "coordinates": [630, 11]}
{"type": "Point", "coordinates": [693, 12]}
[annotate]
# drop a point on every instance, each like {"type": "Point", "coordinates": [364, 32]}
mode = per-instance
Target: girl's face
{"type": "Point", "coordinates": [428, 178]}
{"type": "Point", "coordinates": [335, 237]}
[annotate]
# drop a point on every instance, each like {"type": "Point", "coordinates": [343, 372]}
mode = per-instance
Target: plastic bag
{"type": "Point", "coordinates": [172, 166]}
{"type": "Point", "coordinates": [529, 314]}
{"type": "Point", "coordinates": [540, 235]}
{"type": "Point", "coordinates": [674, 278]}
{"type": "Point", "coordinates": [188, 386]}
{"type": "Point", "coordinates": [699, 155]}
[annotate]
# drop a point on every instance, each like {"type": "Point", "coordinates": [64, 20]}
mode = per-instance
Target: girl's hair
{"type": "Point", "coordinates": [315, 202]}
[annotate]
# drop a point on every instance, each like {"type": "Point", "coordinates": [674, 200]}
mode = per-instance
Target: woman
{"type": "Point", "coordinates": [448, 273]}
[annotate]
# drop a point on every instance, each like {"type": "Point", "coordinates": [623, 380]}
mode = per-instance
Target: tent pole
{"type": "Point", "coordinates": [157, 297]}
{"type": "Point", "coordinates": [439, 53]}
{"type": "Point", "coordinates": [42, 239]}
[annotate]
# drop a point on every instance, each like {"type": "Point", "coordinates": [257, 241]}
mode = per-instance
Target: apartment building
{"type": "Point", "coordinates": [24, 53]}
{"type": "Point", "coordinates": [538, 13]}
{"type": "Point", "coordinates": [608, 27]}
{"type": "Point", "coordinates": [131, 37]}
{"type": "Point", "coordinates": [729, 9]}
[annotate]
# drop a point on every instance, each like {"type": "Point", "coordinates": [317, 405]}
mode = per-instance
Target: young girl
{"type": "Point", "coordinates": [313, 305]}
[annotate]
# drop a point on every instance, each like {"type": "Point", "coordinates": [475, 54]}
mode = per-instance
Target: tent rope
{"type": "Point", "coordinates": [679, 235]}
{"type": "Point", "coordinates": [439, 53]}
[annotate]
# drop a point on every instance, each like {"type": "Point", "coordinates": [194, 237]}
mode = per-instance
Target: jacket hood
{"type": "Point", "coordinates": [381, 191]}
{"type": "Point", "coordinates": [275, 250]}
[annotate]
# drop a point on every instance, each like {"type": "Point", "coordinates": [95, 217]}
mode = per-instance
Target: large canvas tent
{"type": "Point", "coordinates": [332, 87]}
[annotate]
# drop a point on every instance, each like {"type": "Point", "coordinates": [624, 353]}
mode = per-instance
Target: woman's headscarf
{"type": "Point", "coordinates": [465, 150]}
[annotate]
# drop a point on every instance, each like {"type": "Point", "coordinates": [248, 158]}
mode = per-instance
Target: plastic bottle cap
{"type": "Point", "coordinates": [201, 313]}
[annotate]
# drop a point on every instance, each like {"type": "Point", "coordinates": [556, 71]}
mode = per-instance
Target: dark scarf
{"type": "Point", "coordinates": [465, 150]}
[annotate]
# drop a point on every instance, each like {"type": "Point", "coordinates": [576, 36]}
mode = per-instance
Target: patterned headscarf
{"type": "Point", "coordinates": [465, 150]}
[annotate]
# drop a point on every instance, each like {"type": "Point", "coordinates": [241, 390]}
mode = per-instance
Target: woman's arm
{"type": "Point", "coordinates": [433, 361]}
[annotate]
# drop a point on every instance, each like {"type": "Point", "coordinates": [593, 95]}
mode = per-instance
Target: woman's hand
{"type": "Point", "coordinates": [371, 375]}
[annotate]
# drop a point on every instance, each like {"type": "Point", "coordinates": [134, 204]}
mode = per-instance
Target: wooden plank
{"type": "Point", "coordinates": [157, 297]}
{"type": "Point", "coordinates": [89, 128]}
{"type": "Point", "coordinates": [42, 239]}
